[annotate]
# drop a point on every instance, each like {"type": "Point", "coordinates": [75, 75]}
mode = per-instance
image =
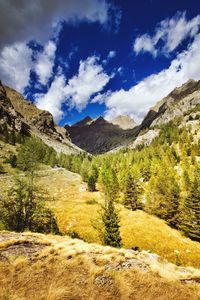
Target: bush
{"type": "Point", "coordinates": [91, 202]}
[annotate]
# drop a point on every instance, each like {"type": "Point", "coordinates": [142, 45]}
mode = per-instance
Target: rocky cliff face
{"type": "Point", "coordinates": [24, 117]}
{"type": "Point", "coordinates": [99, 135]}
{"type": "Point", "coordinates": [183, 102]}
{"type": "Point", "coordinates": [178, 102]}
{"type": "Point", "coordinates": [9, 117]}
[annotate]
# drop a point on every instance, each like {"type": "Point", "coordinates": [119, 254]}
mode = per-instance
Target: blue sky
{"type": "Point", "coordinates": [90, 57]}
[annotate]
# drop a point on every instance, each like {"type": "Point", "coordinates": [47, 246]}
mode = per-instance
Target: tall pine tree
{"type": "Point", "coordinates": [132, 192]}
{"type": "Point", "coordinates": [190, 216]}
{"type": "Point", "coordinates": [111, 233]}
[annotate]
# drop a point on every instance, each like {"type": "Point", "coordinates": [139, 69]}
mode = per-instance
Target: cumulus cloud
{"type": "Point", "coordinates": [169, 33]}
{"type": "Point", "coordinates": [90, 79]}
{"type": "Point", "coordinates": [45, 62]}
{"type": "Point", "coordinates": [34, 19]}
{"type": "Point", "coordinates": [137, 101]}
{"type": "Point", "coordinates": [15, 65]}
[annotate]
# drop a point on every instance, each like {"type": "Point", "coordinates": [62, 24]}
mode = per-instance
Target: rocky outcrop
{"type": "Point", "coordinates": [9, 117]}
{"type": "Point", "coordinates": [24, 117]}
{"type": "Point", "coordinates": [178, 102]}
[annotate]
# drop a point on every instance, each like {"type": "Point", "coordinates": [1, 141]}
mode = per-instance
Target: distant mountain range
{"type": "Point", "coordinates": [96, 135]}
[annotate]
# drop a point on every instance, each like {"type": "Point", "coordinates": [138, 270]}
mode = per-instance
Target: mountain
{"type": "Point", "coordinates": [124, 122]}
{"type": "Point", "coordinates": [177, 103]}
{"type": "Point", "coordinates": [183, 103]}
{"type": "Point", "coordinates": [99, 136]}
{"type": "Point", "coordinates": [22, 116]}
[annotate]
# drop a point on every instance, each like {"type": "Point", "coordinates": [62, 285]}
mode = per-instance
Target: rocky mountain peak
{"type": "Point", "coordinates": [84, 122]}
{"type": "Point", "coordinates": [124, 122]}
{"type": "Point", "coordinates": [99, 121]}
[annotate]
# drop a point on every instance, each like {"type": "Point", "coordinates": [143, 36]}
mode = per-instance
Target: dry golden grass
{"type": "Point", "coordinates": [69, 199]}
{"type": "Point", "coordinates": [69, 269]}
{"type": "Point", "coordinates": [137, 228]}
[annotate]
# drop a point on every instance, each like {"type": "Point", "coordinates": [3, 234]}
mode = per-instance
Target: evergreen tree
{"type": "Point", "coordinates": [12, 137]}
{"type": "Point", "coordinates": [29, 155]}
{"type": "Point", "coordinates": [85, 168]}
{"type": "Point", "coordinates": [91, 183]}
{"type": "Point", "coordinates": [190, 216]}
{"type": "Point", "coordinates": [24, 208]}
{"type": "Point", "coordinates": [132, 193]}
{"type": "Point", "coordinates": [164, 194]}
{"type": "Point", "coordinates": [111, 232]}
{"type": "Point", "coordinates": [109, 183]}
{"type": "Point", "coordinates": [94, 172]}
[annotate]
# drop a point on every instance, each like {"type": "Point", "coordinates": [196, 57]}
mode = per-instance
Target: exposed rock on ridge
{"type": "Point", "coordinates": [179, 101]}
{"type": "Point", "coordinates": [24, 117]}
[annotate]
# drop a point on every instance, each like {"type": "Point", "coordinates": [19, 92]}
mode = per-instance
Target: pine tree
{"type": "Point", "coordinates": [24, 208]}
{"type": "Point", "coordinates": [91, 183]}
{"type": "Point", "coordinates": [108, 181]}
{"type": "Point", "coordinates": [190, 216]}
{"type": "Point", "coordinates": [132, 192]}
{"type": "Point", "coordinates": [12, 137]}
{"type": "Point", "coordinates": [111, 233]}
{"type": "Point", "coordinates": [164, 194]}
{"type": "Point", "coordinates": [94, 172]}
{"type": "Point", "coordinates": [85, 167]}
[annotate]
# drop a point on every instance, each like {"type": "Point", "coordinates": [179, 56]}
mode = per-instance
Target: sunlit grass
{"type": "Point", "coordinates": [148, 232]}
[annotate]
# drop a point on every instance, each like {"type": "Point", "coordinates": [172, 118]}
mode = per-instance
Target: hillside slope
{"type": "Point", "coordinates": [53, 267]}
{"type": "Point", "coordinates": [181, 100]}
{"type": "Point", "coordinates": [21, 116]}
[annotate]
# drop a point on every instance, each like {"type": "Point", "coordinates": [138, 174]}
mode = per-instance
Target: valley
{"type": "Point", "coordinates": [99, 186]}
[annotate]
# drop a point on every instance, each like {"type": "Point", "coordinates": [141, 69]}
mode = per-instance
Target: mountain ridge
{"type": "Point", "coordinates": [25, 118]}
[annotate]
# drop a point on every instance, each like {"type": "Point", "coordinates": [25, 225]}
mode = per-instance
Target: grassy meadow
{"type": "Point", "coordinates": [76, 208]}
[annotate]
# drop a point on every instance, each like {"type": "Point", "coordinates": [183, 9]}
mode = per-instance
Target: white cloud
{"type": "Point", "coordinates": [15, 65]}
{"type": "Point", "coordinates": [45, 62]}
{"type": "Point", "coordinates": [145, 43]}
{"type": "Point", "coordinates": [55, 97]}
{"type": "Point", "coordinates": [90, 79]}
{"type": "Point", "coordinates": [111, 54]}
{"type": "Point", "coordinates": [169, 33]}
{"type": "Point", "coordinates": [137, 101]}
{"type": "Point", "coordinates": [100, 98]}
{"type": "Point", "coordinates": [34, 19]}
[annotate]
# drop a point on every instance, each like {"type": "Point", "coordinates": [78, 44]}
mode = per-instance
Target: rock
{"type": "Point", "coordinates": [103, 280]}
{"type": "Point", "coordinates": [124, 122]}
{"type": "Point", "coordinates": [23, 116]}
{"type": "Point", "coordinates": [179, 101]}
